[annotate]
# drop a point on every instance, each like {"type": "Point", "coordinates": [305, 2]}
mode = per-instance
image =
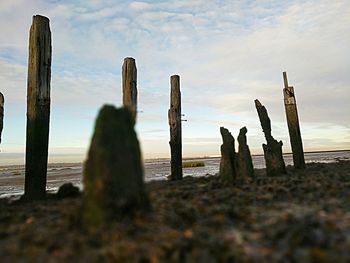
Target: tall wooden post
{"type": "Point", "coordinates": [38, 108]}
{"type": "Point", "coordinates": [129, 76]}
{"type": "Point", "coordinates": [293, 124]}
{"type": "Point", "coordinates": [174, 116]}
{"type": "Point", "coordinates": [2, 101]}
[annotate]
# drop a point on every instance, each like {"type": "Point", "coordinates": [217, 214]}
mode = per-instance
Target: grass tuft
{"type": "Point", "coordinates": [192, 164]}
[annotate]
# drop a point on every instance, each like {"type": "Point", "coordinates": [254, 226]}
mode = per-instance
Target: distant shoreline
{"type": "Point", "coordinates": [51, 164]}
{"type": "Point", "coordinates": [206, 157]}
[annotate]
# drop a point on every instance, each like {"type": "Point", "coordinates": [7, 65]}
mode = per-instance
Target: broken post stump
{"type": "Point", "coordinates": [290, 106]}
{"type": "Point", "coordinates": [272, 149]}
{"type": "Point", "coordinates": [129, 75]}
{"type": "Point", "coordinates": [245, 167]}
{"type": "Point", "coordinates": [2, 101]}
{"type": "Point", "coordinates": [174, 117]}
{"type": "Point", "coordinates": [113, 171]}
{"type": "Point", "coordinates": [38, 108]}
{"type": "Point", "coordinates": [227, 163]}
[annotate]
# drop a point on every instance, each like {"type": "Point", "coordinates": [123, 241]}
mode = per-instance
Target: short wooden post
{"type": "Point", "coordinates": [293, 124]}
{"type": "Point", "coordinates": [129, 76]}
{"type": "Point", "coordinates": [38, 108]}
{"type": "Point", "coordinates": [245, 167]}
{"type": "Point", "coordinates": [2, 101]}
{"type": "Point", "coordinates": [174, 116]}
{"type": "Point", "coordinates": [228, 173]}
{"type": "Point", "coordinates": [272, 149]}
{"type": "Point", "coordinates": [113, 172]}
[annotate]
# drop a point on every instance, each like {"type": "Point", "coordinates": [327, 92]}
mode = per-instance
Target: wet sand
{"type": "Point", "coordinates": [300, 217]}
{"type": "Point", "coordinates": [12, 177]}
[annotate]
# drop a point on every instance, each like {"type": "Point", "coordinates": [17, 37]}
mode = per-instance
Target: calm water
{"type": "Point", "coordinates": [12, 177]}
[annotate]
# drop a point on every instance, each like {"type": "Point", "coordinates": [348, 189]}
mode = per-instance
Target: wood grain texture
{"type": "Point", "coordinates": [129, 75]}
{"type": "Point", "coordinates": [290, 106]}
{"type": "Point", "coordinates": [38, 108]}
{"type": "Point", "coordinates": [272, 149]}
{"type": "Point", "coordinates": [228, 169]}
{"type": "Point", "coordinates": [174, 117]}
{"type": "Point", "coordinates": [245, 167]}
{"type": "Point", "coordinates": [2, 102]}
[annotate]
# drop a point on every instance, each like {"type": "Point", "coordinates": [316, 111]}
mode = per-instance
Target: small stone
{"type": "Point", "coordinates": [68, 190]}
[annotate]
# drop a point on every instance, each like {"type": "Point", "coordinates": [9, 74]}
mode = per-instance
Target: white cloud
{"type": "Point", "coordinates": [228, 53]}
{"type": "Point", "coordinates": [139, 6]}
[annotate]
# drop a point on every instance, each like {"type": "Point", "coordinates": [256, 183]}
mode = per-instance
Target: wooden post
{"type": "Point", "coordinates": [174, 116]}
{"type": "Point", "coordinates": [2, 101]}
{"type": "Point", "coordinates": [38, 108]}
{"type": "Point", "coordinates": [293, 124]}
{"type": "Point", "coordinates": [129, 76]}
{"type": "Point", "coordinates": [228, 173]}
{"type": "Point", "coordinates": [113, 171]}
{"type": "Point", "coordinates": [245, 167]}
{"type": "Point", "coordinates": [272, 149]}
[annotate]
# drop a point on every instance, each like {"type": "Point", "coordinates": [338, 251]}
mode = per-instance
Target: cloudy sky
{"type": "Point", "coordinates": [228, 53]}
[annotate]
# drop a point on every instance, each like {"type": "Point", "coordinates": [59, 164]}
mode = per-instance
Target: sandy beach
{"type": "Point", "coordinates": [303, 216]}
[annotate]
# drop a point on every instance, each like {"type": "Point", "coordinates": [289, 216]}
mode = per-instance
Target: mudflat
{"type": "Point", "coordinates": [303, 216]}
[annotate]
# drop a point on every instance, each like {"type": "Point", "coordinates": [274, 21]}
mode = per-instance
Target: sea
{"type": "Point", "coordinates": [12, 176]}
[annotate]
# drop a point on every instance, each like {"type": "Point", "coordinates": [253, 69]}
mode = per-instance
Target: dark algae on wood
{"type": "Point", "coordinates": [174, 118]}
{"type": "Point", "coordinates": [38, 108]}
{"type": "Point", "coordinates": [113, 173]}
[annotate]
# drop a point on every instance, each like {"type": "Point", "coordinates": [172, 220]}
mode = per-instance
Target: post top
{"type": "Point", "coordinates": [257, 103]}
{"type": "Point", "coordinates": [175, 76]}
{"type": "Point", "coordinates": [243, 130]}
{"type": "Point", "coordinates": [285, 80]}
{"type": "Point", "coordinates": [129, 58]}
{"type": "Point", "coordinates": [40, 17]}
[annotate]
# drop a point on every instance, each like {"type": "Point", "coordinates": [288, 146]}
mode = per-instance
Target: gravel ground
{"type": "Point", "coordinates": [300, 217]}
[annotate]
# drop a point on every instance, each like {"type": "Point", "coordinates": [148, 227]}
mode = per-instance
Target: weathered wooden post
{"type": "Point", "coordinates": [244, 159]}
{"type": "Point", "coordinates": [273, 149]}
{"type": "Point", "coordinates": [129, 76]}
{"type": "Point", "coordinates": [113, 173]}
{"type": "Point", "coordinates": [227, 170]}
{"type": "Point", "coordinates": [174, 116]}
{"type": "Point", "coordinates": [2, 101]}
{"type": "Point", "coordinates": [38, 108]}
{"type": "Point", "coordinates": [293, 124]}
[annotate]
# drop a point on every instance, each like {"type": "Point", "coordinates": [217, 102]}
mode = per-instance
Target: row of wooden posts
{"type": "Point", "coordinates": [240, 166]}
{"type": "Point", "coordinates": [232, 165]}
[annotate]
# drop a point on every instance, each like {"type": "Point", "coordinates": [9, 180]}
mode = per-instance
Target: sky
{"type": "Point", "coordinates": [227, 54]}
